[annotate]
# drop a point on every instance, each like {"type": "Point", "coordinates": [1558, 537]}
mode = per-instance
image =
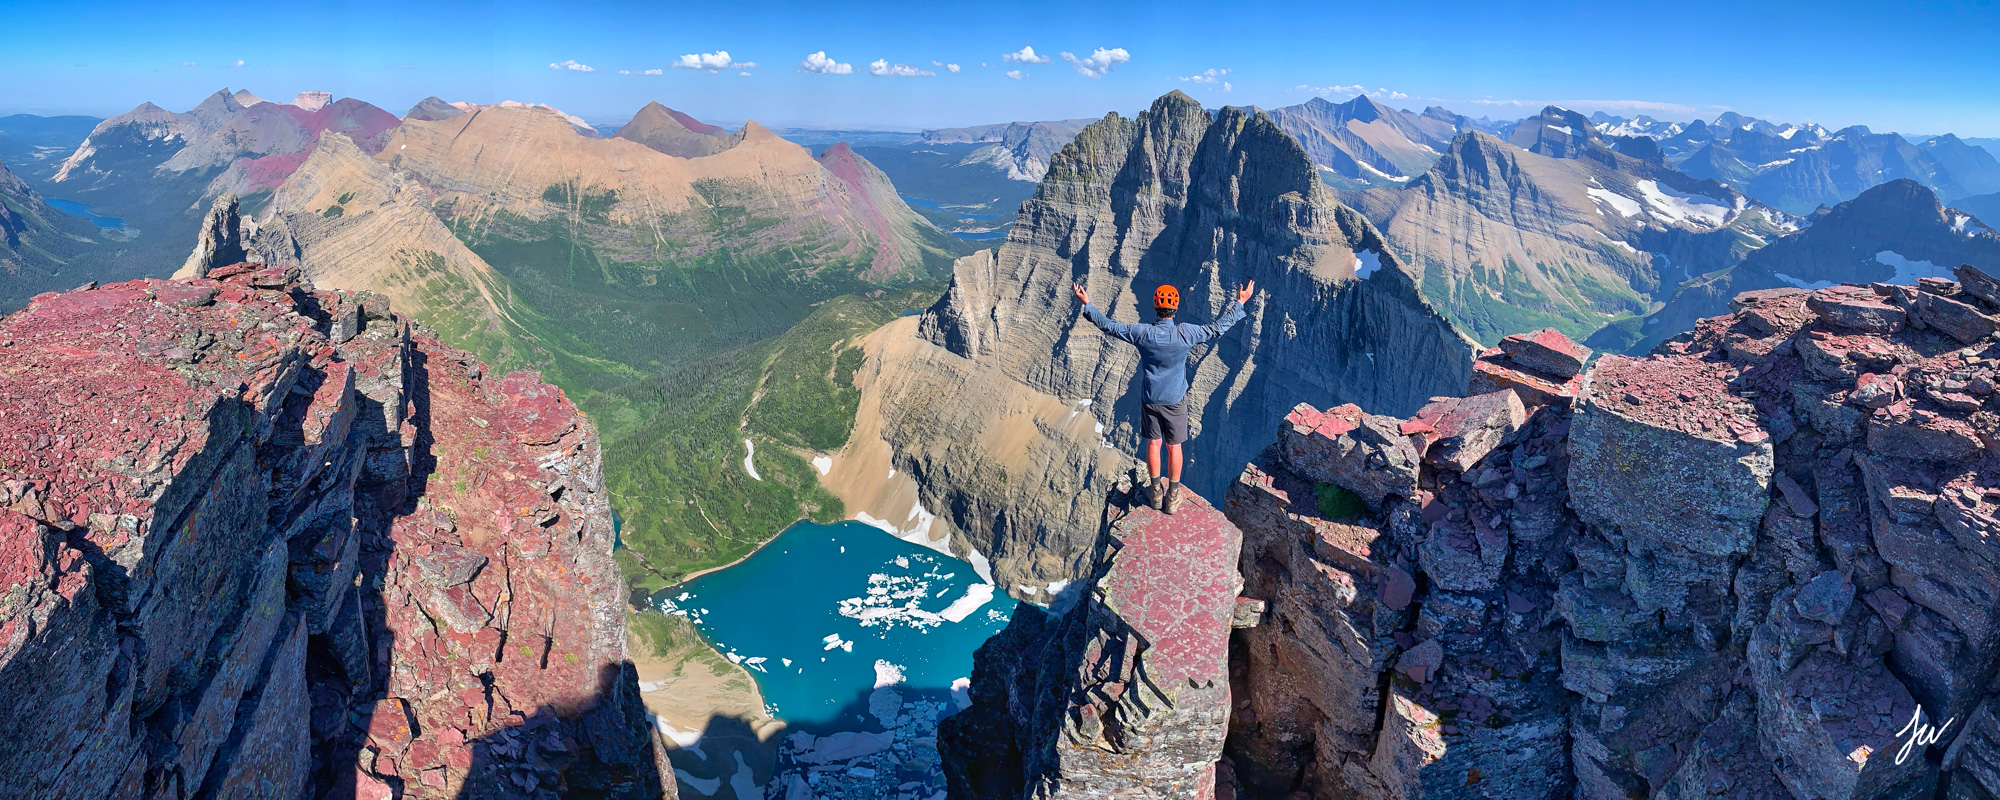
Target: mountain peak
{"type": "Point", "coordinates": [433, 108]}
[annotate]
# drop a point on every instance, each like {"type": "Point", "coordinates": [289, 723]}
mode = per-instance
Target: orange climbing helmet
{"type": "Point", "coordinates": [1167, 297]}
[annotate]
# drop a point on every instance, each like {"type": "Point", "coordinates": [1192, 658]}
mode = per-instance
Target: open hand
{"type": "Point", "coordinates": [1243, 294]}
{"type": "Point", "coordinates": [1081, 295]}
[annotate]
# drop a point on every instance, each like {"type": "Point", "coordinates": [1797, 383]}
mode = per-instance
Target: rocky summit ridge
{"type": "Point", "coordinates": [264, 540]}
{"type": "Point", "coordinates": [1740, 566]}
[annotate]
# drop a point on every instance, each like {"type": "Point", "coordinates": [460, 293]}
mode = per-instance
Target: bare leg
{"type": "Point", "coordinates": [1153, 458]}
{"type": "Point", "coordinates": [1173, 463]}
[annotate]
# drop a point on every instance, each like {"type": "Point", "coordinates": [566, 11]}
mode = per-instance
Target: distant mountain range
{"type": "Point", "coordinates": [1893, 233]}
{"type": "Point", "coordinates": [1557, 228]}
{"type": "Point", "coordinates": [1363, 144]}
{"type": "Point", "coordinates": [1799, 168]}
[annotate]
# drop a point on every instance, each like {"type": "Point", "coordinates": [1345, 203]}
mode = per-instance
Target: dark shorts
{"type": "Point", "coordinates": [1164, 422]}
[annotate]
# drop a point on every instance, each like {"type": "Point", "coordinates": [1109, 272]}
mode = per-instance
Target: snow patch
{"type": "Point", "coordinates": [1779, 163]}
{"type": "Point", "coordinates": [832, 641]}
{"type": "Point", "coordinates": [823, 463]}
{"type": "Point", "coordinates": [1625, 206]}
{"type": "Point", "coordinates": [980, 565]}
{"type": "Point", "coordinates": [681, 739]}
{"type": "Point", "coordinates": [961, 693]}
{"type": "Point", "coordinates": [1565, 129]}
{"type": "Point", "coordinates": [1681, 206]}
{"type": "Point", "coordinates": [1366, 262]}
{"type": "Point", "coordinates": [976, 595]}
{"type": "Point", "coordinates": [749, 459]}
{"type": "Point", "coordinates": [1802, 284]}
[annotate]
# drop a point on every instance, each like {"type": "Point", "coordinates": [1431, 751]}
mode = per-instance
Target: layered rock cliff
{"type": "Point", "coordinates": [1013, 415]}
{"type": "Point", "coordinates": [262, 540]}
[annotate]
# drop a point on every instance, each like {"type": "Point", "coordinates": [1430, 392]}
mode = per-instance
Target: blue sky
{"type": "Point", "coordinates": [1909, 67]}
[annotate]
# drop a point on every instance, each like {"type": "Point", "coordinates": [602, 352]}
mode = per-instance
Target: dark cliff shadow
{"type": "Point", "coordinates": [587, 751]}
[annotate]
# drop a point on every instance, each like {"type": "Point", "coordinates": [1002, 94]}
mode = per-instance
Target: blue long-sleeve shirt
{"type": "Point", "coordinates": [1163, 347]}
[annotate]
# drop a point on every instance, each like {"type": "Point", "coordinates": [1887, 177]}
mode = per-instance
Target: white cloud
{"type": "Point", "coordinates": [819, 64]}
{"type": "Point", "coordinates": [744, 74]}
{"type": "Point", "coordinates": [1099, 63]}
{"type": "Point", "coordinates": [1016, 74]}
{"type": "Point", "coordinates": [984, 64]}
{"type": "Point", "coordinates": [239, 62]}
{"type": "Point", "coordinates": [1226, 87]}
{"type": "Point", "coordinates": [1026, 55]}
{"type": "Point", "coordinates": [1205, 76]}
{"type": "Point", "coordinates": [642, 72]}
{"type": "Point", "coordinates": [882, 68]}
{"type": "Point", "coordinates": [952, 67]}
{"type": "Point", "coordinates": [569, 64]}
{"type": "Point", "coordinates": [187, 63]}
{"type": "Point", "coordinates": [710, 62]}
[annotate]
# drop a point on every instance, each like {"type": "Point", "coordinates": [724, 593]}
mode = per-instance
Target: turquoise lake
{"type": "Point", "coordinates": [825, 613]}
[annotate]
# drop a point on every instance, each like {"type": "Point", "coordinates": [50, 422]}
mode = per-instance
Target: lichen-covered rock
{"type": "Point", "coordinates": [1363, 453]}
{"type": "Point", "coordinates": [1122, 692]}
{"type": "Point", "coordinates": [239, 558]}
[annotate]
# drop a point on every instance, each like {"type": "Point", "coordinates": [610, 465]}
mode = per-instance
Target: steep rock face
{"type": "Point", "coordinates": [1121, 693]}
{"type": "Point", "coordinates": [1010, 411]}
{"type": "Point", "coordinates": [267, 541]}
{"type": "Point", "coordinates": [220, 241]}
{"type": "Point", "coordinates": [1738, 567]}
{"type": "Point", "coordinates": [1024, 149]}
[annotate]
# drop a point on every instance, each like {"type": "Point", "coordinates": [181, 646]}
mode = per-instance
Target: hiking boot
{"type": "Point", "coordinates": [1173, 499]}
{"type": "Point", "coordinates": [1156, 492]}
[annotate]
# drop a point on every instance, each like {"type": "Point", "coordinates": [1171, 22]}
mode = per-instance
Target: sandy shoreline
{"type": "Point", "coordinates": [746, 557]}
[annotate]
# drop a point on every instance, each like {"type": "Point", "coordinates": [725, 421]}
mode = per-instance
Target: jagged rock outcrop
{"type": "Point", "coordinates": [1737, 567]}
{"type": "Point", "coordinates": [1119, 692]}
{"type": "Point", "coordinates": [262, 540]}
{"type": "Point", "coordinates": [1013, 414]}
{"type": "Point", "coordinates": [220, 241]}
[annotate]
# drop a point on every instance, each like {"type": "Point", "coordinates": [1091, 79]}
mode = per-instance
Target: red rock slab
{"type": "Point", "coordinates": [1174, 581]}
{"type": "Point", "coordinates": [1462, 430]}
{"type": "Point", "coordinates": [1680, 394]}
{"type": "Point", "coordinates": [1857, 309]}
{"type": "Point", "coordinates": [1546, 351]}
{"type": "Point", "coordinates": [1488, 375]}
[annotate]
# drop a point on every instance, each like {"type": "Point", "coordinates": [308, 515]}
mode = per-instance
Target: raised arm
{"type": "Point", "coordinates": [1231, 314]}
{"type": "Point", "coordinates": [1125, 331]}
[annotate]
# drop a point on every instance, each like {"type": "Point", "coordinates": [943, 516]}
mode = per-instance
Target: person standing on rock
{"type": "Point", "coordinates": [1163, 349]}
